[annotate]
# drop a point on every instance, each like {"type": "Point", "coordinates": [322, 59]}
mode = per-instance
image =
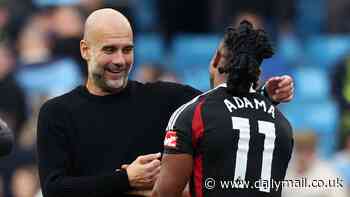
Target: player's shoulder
{"type": "Point", "coordinates": [215, 93]}
{"type": "Point", "coordinates": [280, 117]}
{"type": "Point", "coordinates": [184, 113]}
{"type": "Point", "coordinates": [282, 120]}
{"type": "Point", "coordinates": [199, 99]}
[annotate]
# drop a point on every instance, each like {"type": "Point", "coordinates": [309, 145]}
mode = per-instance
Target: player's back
{"type": "Point", "coordinates": [242, 145]}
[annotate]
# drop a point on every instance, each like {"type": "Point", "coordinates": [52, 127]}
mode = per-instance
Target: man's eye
{"type": "Point", "coordinates": [108, 50]}
{"type": "Point", "coordinates": [127, 50]}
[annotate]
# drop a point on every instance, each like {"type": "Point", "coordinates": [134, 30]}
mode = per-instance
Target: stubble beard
{"type": "Point", "coordinates": [107, 85]}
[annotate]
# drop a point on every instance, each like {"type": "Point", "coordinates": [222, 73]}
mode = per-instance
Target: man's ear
{"type": "Point", "coordinates": [217, 59]}
{"type": "Point", "coordinates": [84, 50]}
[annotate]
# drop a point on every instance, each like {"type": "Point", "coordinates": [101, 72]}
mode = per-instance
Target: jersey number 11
{"type": "Point", "coordinates": [264, 127]}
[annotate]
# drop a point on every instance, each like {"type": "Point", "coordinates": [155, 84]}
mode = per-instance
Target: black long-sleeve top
{"type": "Point", "coordinates": [83, 138]}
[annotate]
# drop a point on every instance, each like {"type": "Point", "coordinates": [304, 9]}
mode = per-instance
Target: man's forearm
{"type": "Point", "coordinates": [92, 186]}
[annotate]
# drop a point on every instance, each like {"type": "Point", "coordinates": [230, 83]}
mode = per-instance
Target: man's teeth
{"type": "Point", "coordinates": [113, 71]}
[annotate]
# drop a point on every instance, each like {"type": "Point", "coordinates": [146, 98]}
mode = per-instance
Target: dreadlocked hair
{"type": "Point", "coordinates": [246, 48]}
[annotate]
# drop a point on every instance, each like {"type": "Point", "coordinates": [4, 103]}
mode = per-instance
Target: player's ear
{"type": "Point", "coordinates": [219, 66]}
{"type": "Point", "coordinates": [217, 58]}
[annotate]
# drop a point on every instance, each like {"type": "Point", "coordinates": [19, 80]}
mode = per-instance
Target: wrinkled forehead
{"type": "Point", "coordinates": [108, 29]}
{"type": "Point", "coordinates": [114, 42]}
{"type": "Point", "coordinates": [116, 36]}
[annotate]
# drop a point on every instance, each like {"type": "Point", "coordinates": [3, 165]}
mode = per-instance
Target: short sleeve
{"type": "Point", "coordinates": [178, 136]}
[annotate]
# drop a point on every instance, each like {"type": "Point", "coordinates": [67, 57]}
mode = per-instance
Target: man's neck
{"type": "Point", "coordinates": [95, 90]}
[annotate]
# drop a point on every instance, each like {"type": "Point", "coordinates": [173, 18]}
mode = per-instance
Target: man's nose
{"type": "Point", "coordinates": [118, 58]}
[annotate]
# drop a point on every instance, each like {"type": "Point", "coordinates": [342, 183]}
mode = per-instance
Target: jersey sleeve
{"type": "Point", "coordinates": [178, 136]}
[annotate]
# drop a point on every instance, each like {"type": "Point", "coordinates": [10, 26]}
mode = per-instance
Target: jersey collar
{"type": "Point", "coordinates": [251, 90]}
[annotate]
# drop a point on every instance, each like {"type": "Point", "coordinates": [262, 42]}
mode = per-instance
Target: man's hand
{"type": "Point", "coordinates": [144, 171]}
{"type": "Point", "coordinates": [280, 89]}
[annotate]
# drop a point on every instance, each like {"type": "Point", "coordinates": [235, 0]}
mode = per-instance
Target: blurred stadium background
{"type": "Point", "coordinates": [174, 41]}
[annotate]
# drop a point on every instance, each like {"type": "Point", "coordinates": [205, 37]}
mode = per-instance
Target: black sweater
{"type": "Point", "coordinates": [83, 138]}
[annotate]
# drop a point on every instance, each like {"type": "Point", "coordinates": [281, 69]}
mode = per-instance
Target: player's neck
{"type": "Point", "coordinates": [219, 82]}
{"type": "Point", "coordinates": [224, 84]}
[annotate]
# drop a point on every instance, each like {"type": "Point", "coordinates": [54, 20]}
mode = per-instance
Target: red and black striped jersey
{"type": "Point", "coordinates": [241, 145]}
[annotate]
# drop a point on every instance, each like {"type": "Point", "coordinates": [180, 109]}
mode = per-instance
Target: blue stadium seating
{"type": "Point", "coordinates": [312, 107]}
{"type": "Point", "coordinates": [145, 15]}
{"type": "Point", "coordinates": [325, 51]}
{"type": "Point", "coordinates": [310, 16]}
{"type": "Point", "coordinates": [50, 79]}
{"type": "Point", "coordinates": [149, 48]}
{"type": "Point", "coordinates": [191, 55]}
{"type": "Point", "coordinates": [322, 117]}
{"type": "Point", "coordinates": [277, 65]}
{"type": "Point", "coordinates": [192, 49]}
{"type": "Point", "coordinates": [311, 84]}
{"type": "Point", "coordinates": [197, 78]}
{"type": "Point", "coordinates": [293, 114]}
{"type": "Point", "coordinates": [289, 48]}
{"type": "Point", "coordinates": [44, 3]}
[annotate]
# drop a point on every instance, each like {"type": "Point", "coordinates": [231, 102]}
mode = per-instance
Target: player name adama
{"type": "Point", "coordinates": [253, 103]}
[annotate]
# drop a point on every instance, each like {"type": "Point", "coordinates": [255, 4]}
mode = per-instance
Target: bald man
{"type": "Point", "coordinates": [107, 31]}
{"type": "Point", "coordinates": [103, 138]}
